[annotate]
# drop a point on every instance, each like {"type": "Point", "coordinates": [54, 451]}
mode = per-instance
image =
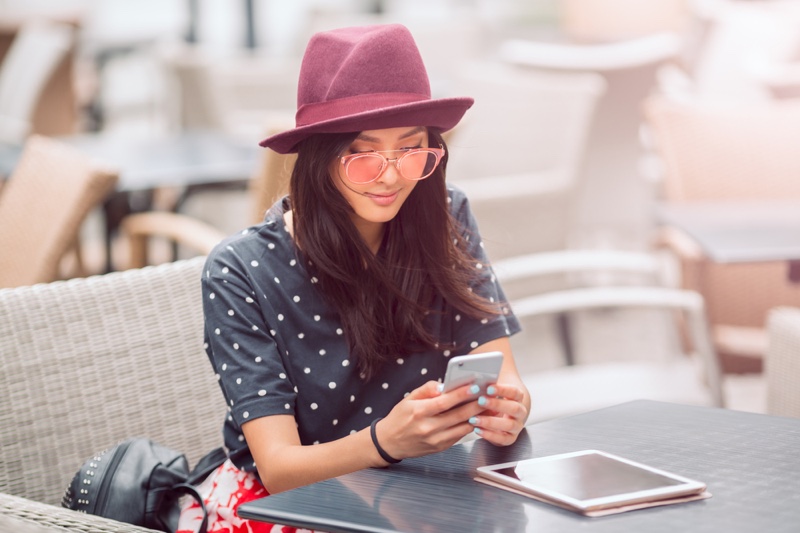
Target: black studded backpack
{"type": "Point", "coordinates": [139, 482]}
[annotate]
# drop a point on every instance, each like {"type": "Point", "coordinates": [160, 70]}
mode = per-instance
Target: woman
{"type": "Point", "coordinates": [330, 325]}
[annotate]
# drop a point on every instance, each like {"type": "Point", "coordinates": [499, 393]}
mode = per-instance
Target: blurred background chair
{"type": "Point", "coordinates": [729, 153]}
{"type": "Point", "coordinates": [39, 51]}
{"type": "Point", "coordinates": [518, 151]}
{"type": "Point", "coordinates": [666, 373]}
{"type": "Point", "coordinates": [89, 362]}
{"type": "Point", "coordinates": [782, 362]}
{"type": "Point", "coordinates": [611, 168]}
{"type": "Point", "coordinates": [42, 209]}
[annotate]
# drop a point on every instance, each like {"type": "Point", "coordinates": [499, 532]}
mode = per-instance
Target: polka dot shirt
{"type": "Point", "coordinates": [277, 347]}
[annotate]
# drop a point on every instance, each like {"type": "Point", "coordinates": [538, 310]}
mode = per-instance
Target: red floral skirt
{"type": "Point", "coordinates": [223, 491]}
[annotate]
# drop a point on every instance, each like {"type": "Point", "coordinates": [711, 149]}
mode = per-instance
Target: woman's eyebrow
{"type": "Point", "coordinates": [409, 133]}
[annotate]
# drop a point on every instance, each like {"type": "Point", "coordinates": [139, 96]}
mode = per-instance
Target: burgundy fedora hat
{"type": "Point", "coordinates": [364, 78]}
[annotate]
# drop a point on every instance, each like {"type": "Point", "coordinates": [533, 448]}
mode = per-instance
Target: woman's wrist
{"type": "Point", "coordinates": [374, 435]}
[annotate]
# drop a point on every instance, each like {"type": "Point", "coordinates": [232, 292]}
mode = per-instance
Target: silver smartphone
{"type": "Point", "coordinates": [479, 368]}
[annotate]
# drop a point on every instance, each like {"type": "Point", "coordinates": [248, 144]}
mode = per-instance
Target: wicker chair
{"type": "Point", "coordinates": [42, 208]}
{"type": "Point", "coordinates": [720, 153]}
{"type": "Point", "coordinates": [782, 362]}
{"type": "Point", "coordinates": [89, 362]}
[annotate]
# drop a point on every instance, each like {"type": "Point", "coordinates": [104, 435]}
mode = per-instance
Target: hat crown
{"type": "Point", "coordinates": [361, 61]}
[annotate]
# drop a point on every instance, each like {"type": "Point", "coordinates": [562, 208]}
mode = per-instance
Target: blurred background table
{"type": "Point", "coordinates": [186, 161]}
{"type": "Point", "coordinates": [741, 231]}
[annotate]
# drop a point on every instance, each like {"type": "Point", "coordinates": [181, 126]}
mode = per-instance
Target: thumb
{"type": "Point", "coordinates": [428, 390]}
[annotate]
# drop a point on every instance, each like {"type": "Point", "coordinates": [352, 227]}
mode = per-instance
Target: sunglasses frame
{"type": "Point", "coordinates": [347, 159]}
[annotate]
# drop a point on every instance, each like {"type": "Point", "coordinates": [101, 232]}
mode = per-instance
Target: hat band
{"type": "Point", "coordinates": [352, 105]}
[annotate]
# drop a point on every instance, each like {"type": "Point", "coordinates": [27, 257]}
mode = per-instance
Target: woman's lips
{"type": "Point", "coordinates": [382, 199]}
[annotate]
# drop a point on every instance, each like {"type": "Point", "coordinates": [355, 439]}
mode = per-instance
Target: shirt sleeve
{"type": "Point", "coordinates": [469, 331]}
{"type": "Point", "coordinates": [240, 342]}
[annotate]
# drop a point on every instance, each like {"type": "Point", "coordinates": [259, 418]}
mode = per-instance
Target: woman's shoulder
{"type": "Point", "coordinates": [248, 245]}
{"type": "Point", "coordinates": [459, 203]}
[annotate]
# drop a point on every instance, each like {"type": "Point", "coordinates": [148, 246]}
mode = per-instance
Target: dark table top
{"type": "Point", "coordinates": [750, 463]}
{"type": "Point", "coordinates": [180, 159]}
{"type": "Point", "coordinates": [739, 231]}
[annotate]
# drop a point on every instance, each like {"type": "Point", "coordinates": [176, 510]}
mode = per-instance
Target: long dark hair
{"type": "Point", "coordinates": [382, 299]}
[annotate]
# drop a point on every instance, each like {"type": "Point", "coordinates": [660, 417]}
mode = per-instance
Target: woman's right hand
{"type": "Point", "coordinates": [428, 420]}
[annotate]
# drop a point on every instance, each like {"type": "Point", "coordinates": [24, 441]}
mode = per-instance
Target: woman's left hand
{"type": "Point", "coordinates": [505, 414]}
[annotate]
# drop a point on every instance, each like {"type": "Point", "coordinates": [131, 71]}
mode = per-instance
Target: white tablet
{"type": "Point", "coordinates": [590, 480]}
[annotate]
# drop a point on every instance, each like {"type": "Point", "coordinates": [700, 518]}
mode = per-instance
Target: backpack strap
{"type": "Point", "coordinates": [207, 464]}
{"type": "Point", "coordinates": [186, 488]}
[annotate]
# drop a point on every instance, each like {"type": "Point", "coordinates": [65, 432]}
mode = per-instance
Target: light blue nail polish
{"type": "Point", "coordinates": [491, 391]}
{"type": "Point", "coordinates": [482, 401]}
{"type": "Point", "coordinates": [474, 389]}
{"type": "Point", "coordinates": [473, 420]}
{"type": "Point", "coordinates": [440, 386]}
{"type": "Point", "coordinates": [478, 431]}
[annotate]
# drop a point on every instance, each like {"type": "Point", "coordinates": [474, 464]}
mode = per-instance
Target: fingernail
{"type": "Point", "coordinates": [491, 390]}
{"type": "Point", "coordinates": [482, 401]}
{"type": "Point", "coordinates": [473, 420]}
{"type": "Point", "coordinates": [474, 389]}
{"type": "Point", "coordinates": [440, 387]}
{"type": "Point", "coordinates": [478, 431]}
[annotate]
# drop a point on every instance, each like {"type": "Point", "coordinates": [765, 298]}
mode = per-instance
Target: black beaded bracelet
{"type": "Point", "coordinates": [385, 456]}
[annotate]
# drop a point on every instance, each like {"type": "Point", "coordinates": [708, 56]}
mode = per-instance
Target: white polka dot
{"type": "Point", "coordinates": [332, 385]}
{"type": "Point", "coordinates": [235, 345]}
{"type": "Point", "coordinates": [246, 414]}
{"type": "Point", "coordinates": [276, 279]}
{"type": "Point", "coordinates": [212, 296]}
{"type": "Point", "coordinates": [282, 375]}
{"type": "Point", "coordinates": [314, 406]}
{"type": "Point", "coordinates": [230, 312]}
{"type": "Point", "coordinates": [447, 353]}
{"type": "Point", "coordinates": [400, 361]}
{"type": "Point", "coordinates": [241, 438]}
{"type": "Point", "coordinates": [296, 298]}
{"type": "Point", "coordinates": [385, 386]}
{"type": "Point", "coordinates": [317, 318]}
{"type": "Point", "coordinates": [286, 406]}
{"type": "Point", "coordinates": [248, 300]}
{"type": "Point", "coordinates": [273, 332]}
{"type": "Point", "coordinates": [423, 371]}
{"type": "Point", "coordinates": [254, 263]}
{"type": "Point", "coordinates": [458, 318]}
{"type": "Point", "coordinates": [346, 362]}
{"type": "Point", "coordinates": [271, 246]}
{"type": "Point", "coordinates": [335, 421]}
{"type": "Point", "coordinates": [216, 331]}
{"type": "Point", "coordinates": [314, 280]}
{"type": "Point", "coordinates": [225, 270]}
{"type": "Point", "coordinates": [301, 335]}
{"type": "Point", "coordinates": [307, 370]}
{"type": "Point", "coordinates": [322, 352]}
{"type": "Point", "coordinates": [478, 266]}
{"type": "Point", "coordinates": [205, 346]}
{"type": "Point", "coordinates": [238, 381]}
{"type": "Point", "coordinates": [224, 367]}
{"type": "Point", "coordinates": [262, 392]}
{"type": "Point", "coordinates": [352, 398]}
{"type": "Point", "coordinates": [293, 262]}
{"type": "Point", "coordinates": [485, 321]}
{"type": "Point", "coordinates": [339, 331]}
{"type": "Point", "coordinates": [473, 344]}
{"type": "Point", "coordinates": [280, 317]}
{"type": "Point", "coordinates": [255, 328]}
{"type": "Point", "coordinates": [258, 359]}
{"type": "Point", "coordinates": [368, 410]}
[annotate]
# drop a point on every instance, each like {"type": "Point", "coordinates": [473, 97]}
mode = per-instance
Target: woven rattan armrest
{"type": "Point", "coordinates": [45, 517]}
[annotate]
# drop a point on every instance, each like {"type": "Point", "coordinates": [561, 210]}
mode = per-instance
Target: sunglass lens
{"type": "Point", "coordinates": [364, 168]}
{"type": "Point", "coordinates": [418, 165]}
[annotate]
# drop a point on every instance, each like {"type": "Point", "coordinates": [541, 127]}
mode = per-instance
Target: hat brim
{"type": "Point", "coordinates": [442, 113]}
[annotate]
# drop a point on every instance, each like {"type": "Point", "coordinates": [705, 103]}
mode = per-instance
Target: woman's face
{"type": "Point", "coordinates": [378, 202]}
